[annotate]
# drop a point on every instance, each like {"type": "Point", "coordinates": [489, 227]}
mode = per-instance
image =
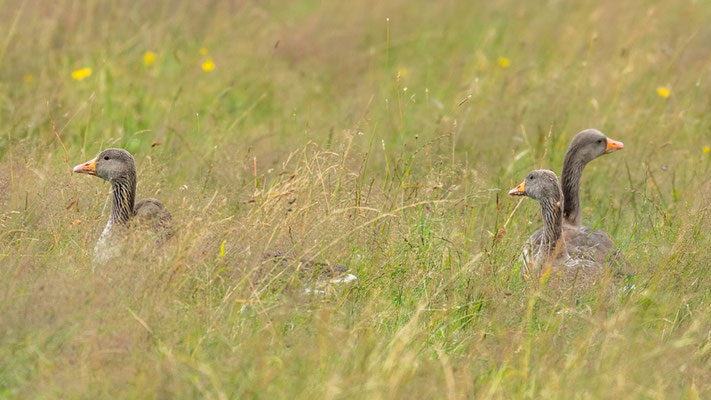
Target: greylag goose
{"type": "Point", "coordinates": [117, 167]}
{"type": "Point", "coordinates": [546, 245]}
{"type": "Point", "coordinates": [557, 244]}
{"type": "Point", "coordinates": [586, 146]}
{"type": "Point", "coordinates": [324, 274]}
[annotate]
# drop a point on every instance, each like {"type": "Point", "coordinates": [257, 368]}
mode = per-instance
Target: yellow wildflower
{"type": "Point", "coordinates": [402, 72]}
{"type": "Point", "coordinates": [504, 62]}
{"type": "Point", "coordinates": [208, 65]}
{"type": "Point", "coordinates": [81, 73]}
{"type": "Point", "coordinates": [663, 91]}
{"type": "Point", "coordinates": [149, 58]}
{"type": "Point", "coordinates": [29, 79]}
{"type": "Point", "coordinates": [706, 149]}
{"type": "Point", "coordinates": [203, 51]}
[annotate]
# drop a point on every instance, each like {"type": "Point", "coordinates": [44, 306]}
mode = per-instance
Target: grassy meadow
{"type": "Point", "coordinates": [379, 135]}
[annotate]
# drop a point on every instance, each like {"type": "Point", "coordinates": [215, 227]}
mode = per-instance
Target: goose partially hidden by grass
{"type": "Point", "coordinates": [319, 275]}
{"type": "Point", "coordinates": [546, 245]}
{"type": "Point", "coordinates": [586, 146]}
{"type": "Point", "coordinates": [558, 245]}
{"type": "Point", "coordinates": [118, 167]}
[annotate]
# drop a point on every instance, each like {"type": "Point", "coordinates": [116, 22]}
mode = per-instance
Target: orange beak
{"type": "Point", "coordinates": [519, 190]}
{"type": "Point", "coordinates": [613, 145]}
{"type": "Point", "coordinates": [88, 167]}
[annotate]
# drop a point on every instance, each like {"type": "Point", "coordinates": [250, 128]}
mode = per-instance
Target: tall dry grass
{"type": "Point", "coordinates": [381, 136]}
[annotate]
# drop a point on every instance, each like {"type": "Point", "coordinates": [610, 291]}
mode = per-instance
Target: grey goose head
{"type": "Point", "coordinates": [590, 144]}
{"type": "Point", "coordinates": [541, 185]}
{"type": "Point", "coordinates": [110, 165]}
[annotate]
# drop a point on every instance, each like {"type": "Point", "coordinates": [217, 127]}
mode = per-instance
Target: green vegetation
{"type": "Point", "coordinates": [379, 135]}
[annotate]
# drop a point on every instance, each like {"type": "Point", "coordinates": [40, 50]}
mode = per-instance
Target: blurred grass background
{"type": "Point", "coordinates": [379, 135]}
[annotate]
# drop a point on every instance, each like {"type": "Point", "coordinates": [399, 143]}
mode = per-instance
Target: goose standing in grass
{"type": "Point", "coordinates": [557, 245]}
{"type": "Point", "coordinates": [117, 167]}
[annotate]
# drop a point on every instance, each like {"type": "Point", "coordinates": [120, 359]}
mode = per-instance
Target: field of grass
{"type": "Point", "coordinates": [379, 135]}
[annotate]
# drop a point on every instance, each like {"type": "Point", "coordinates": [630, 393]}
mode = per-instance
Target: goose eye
{"type": "Point", "coordinates": [599, 140]}
{"type": "Point", "coordinates": [106, 157]}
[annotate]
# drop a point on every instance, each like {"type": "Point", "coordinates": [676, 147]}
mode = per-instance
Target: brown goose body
{"type": "Point", "coordinates": [319, 275]}
{"type": "Point", "coordinates": [118, 167]}
{"type": "Point", "coordinates": [594, 246]}
{"type": "Point", "coordinates": [150, 211]}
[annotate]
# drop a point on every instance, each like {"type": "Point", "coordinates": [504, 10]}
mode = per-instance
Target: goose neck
{"type": "Point", "coordinates": [552, 223]}
{"type": "Point", "coordinates": [123, 197]}
{"type": "Point", "coordinates": [570, 181]}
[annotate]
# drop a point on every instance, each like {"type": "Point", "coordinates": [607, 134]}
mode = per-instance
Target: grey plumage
{"type": "Point", "coordinates": [590, 244]}
{"type": "Point", "coordinates": [558, 244]}
{"type": "Point", "coordinates": [586, 146]}
{"type": "Point", "coordinates": [545, 245]}
{"type": "Point", "coordinates": [118, 167]}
